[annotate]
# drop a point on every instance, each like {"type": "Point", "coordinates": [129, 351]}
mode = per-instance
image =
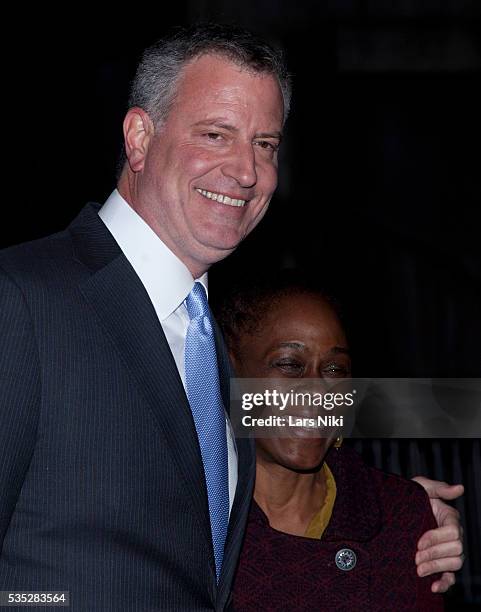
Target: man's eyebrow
{"type": "Point", "coordinates": [231, 128]}
{"type": "Point", "coordinates": [276, 135]}
{"type": "Point", "coordinates": [216, 123]}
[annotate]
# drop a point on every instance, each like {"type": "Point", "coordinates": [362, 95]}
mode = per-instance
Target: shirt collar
{"type": "Point", "coordinates": [165, 277]}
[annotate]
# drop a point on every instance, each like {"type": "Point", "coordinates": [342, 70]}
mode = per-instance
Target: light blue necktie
{"type": "Point", "coordinates": [203, 392]}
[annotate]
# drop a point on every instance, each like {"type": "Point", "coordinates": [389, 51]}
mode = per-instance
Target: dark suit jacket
{"type": "Point", "coordinates": [101, 483]}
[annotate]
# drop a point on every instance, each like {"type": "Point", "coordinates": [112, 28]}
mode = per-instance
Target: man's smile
{"type": "Point", "coordinates": [221, 198]}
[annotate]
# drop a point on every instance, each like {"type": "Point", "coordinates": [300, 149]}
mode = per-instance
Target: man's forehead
{"type": "Point", "coordinates": [213, 87]}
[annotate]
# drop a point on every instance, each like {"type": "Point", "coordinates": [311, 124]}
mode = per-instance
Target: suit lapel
{"type": "Point", "coordinates": [238, 518]}
{"type": "Point", "coordinates": [123, 307]}
{"type": "Point", "coordinates": [223, 364]}
{"type": "Point", "coordinates": [245, 484]}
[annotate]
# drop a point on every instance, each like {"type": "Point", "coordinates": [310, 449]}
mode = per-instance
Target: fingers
{"type": "Point", "coordinates": [441, 550]}
{"type": "Point", "coordinates": [445, 491]}
{"type": "Point", "coordinates": [445, 515]}
{"type": "Point", "coordinates": [437, 489]}
{"type": "Point", "coordinates": [453, 532]}
{"type": "Point", "coordinates": [447, 550]}
{"type": "Point", "coordinates": [438, 566]}
{"type": "Point", "coordinates": [450, 517]}
{"type": "Point", "coordinates": [444, 583]}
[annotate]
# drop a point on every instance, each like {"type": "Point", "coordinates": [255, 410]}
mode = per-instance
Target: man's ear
{"type": "Point", "coordinates": [138, 132]}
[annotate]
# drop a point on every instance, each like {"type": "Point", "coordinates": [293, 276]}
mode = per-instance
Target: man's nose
{"type": "Point", "coordinates": [241, 165]}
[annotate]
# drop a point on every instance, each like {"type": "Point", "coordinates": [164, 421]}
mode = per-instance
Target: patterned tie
{"type": "Point", "coordinates": [203, 392]}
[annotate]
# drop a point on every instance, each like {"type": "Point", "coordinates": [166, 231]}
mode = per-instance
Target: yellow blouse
{"type": "Point", "coordinates": [321, 519]}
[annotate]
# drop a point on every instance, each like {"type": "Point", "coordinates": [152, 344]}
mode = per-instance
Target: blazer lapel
{"type": "Point", "coordinates": [116, 294]}
{"type": "Point", "coordinates": [238, 519]}
{"type": "Point", "coordinates": [245, 485]}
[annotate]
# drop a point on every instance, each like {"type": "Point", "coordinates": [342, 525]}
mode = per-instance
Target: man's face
{"type": "Point", "coordinates": [209, 172]}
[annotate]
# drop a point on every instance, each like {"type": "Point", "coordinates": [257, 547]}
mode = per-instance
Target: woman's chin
{"type": "Point", "coordinates": [306, 461]}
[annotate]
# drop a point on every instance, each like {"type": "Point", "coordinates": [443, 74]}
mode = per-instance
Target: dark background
{"type": "Point", "coordinates": [380, 173]}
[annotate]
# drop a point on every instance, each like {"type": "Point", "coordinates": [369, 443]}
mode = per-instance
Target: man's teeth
{"type": "Point", "coordinates": [223, 199]}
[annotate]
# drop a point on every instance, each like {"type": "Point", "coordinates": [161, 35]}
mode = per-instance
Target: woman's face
{"type": "Point", "coordinates": [300, 336]}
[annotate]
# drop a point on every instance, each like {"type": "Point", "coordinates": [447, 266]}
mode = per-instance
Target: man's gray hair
{"type": "Point", "coordinates": [155, 84]}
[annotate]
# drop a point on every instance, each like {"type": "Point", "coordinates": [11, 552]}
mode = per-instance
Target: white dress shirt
{"type": "Point", "coordinates": [168, 282]}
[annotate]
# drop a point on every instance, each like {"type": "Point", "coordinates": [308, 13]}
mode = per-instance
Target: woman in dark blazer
{"type": "Point", "coordinates": [325, 531]}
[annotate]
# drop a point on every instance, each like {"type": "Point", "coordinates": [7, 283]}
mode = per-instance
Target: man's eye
{"type": "Point", "coordinates": [265, 144]}
{"type": "Point", "coordinates": [213, 136]}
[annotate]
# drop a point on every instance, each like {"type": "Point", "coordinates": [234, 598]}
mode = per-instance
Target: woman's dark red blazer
{"type": "Point", "coordinates": [364, 561]}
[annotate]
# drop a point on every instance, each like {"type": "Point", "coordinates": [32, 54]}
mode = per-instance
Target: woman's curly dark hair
{"type": "Point", "coordinates": [243, 307]}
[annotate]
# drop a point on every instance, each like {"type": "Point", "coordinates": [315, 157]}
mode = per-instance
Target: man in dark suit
{"type": "Point", "coordinates": [102, 462]}
{"type": "Point", "coordinates": [120, 479]}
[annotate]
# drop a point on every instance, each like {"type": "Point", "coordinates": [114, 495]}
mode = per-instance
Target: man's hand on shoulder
{"type": "Point", "coordinates": [441, 550]}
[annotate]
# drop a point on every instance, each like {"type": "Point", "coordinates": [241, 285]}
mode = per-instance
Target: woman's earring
{"type": "Point", "coordinates": [338, 443]}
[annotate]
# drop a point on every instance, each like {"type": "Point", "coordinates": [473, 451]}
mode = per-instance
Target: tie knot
{"type": "Point", "coordinates": [196, 302]}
